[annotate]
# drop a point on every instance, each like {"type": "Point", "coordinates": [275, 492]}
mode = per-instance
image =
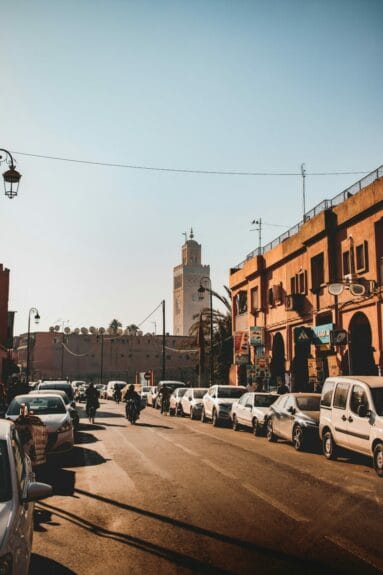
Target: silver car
{"type": "Point", "coordinates": [175, 401]}
{"type": "Point", "coordinates": [217, 402]}
{"type": "Point", "coordinates": [18, 491]}
{"type": "Point", "coordinates": [52, 411]}
{"type": "Point", "coordinates": [152, 396]}
{"type": "Point", "coordinates": [191, 403]}
{"type": "Point", "coordinates": [252, 411]}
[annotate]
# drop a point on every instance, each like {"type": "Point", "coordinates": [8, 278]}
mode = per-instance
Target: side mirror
{"type": "Point", "coordinates": [362, 410]}
{"type": "Point", "coordinates": [37, 491]}
{"type": "Point", "coordinates": [73, 404]}
{"type": "Point", "coordinates": [291, 410]}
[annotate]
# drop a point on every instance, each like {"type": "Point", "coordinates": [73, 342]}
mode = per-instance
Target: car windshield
{"type": "Point", "coordinates": [62, 386]}
{"type": "Point", "coordinates": [40, 405]}
{"type": "Point", "coordinates": [199, 393]}
{"type": "Point", "coordinates": [63, 396]}
{"type": "Point", "coordinates": [5, 478]}
{"type": "Point", "coordinates": [377, 395]}
{"type": "Point", "coordinates": [308, 403]}
{"type": "Point", "coordinates": [230, 392]}
{"type": "Point", "coordinates": [181, 391]}
{"type": "Point", "coordinates": [264, 400]}
{"type": "Point", "coordinates": [145, 389]}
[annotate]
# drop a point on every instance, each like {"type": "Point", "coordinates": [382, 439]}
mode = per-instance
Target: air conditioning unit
{"type": "Point", "coordinates": [293, 302]}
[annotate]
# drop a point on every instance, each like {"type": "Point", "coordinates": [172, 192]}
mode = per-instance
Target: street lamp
{"type": "Point", "coordinates": [201, 291]}
{"type": "Point", "coordinates": [37, 319]}
{"type": "Point", "coordinates": [11, 176]}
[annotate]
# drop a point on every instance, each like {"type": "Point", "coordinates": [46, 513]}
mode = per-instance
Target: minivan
{"type": "Point", "coordinates": [351, 417]}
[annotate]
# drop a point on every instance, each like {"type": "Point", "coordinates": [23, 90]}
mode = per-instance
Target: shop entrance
{"type": "Point", "coordinates": [362, 358]}
{"type": "Point", "coordinates": [277, 366]}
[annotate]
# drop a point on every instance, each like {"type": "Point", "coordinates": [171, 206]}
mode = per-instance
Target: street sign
{"type": "Point", "coordinates": [257, 335]}
{"type": "Point", "coordinates": [147, 375]}
{"type": "Point", "coordinates": [339, 337]}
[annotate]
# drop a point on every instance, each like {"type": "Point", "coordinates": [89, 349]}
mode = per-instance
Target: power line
{"type": "Point", "coordinates": [159, 305]}
{"type": "Point", "coordinates": [183, 170]}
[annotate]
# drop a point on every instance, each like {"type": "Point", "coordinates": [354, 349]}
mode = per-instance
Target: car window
{"type": "Point", "coordinates": [281, 402]}
{"type": "Point", "coordinates": [358, 398]}
{"type": "Point", "coordinates": [308, 403]}
{"type": "Point", "coordinates": [264, 400]}
{"type": "Point", "coordinates": [5, 476]}
{"type": "Point", "coordinates": [230, 392]}
{"type": "Point", "coordinates": [377, 395]}
{"type": "Point", "coordinates": [340, 396]}
{"type": "Point", "coordinates": [290, 402]}
{"type": "Point", "coordinates": [199, 393]}
{"type": "Point", "coordinates": [19, 457]}
{"type": "Point", "coordinates": [327, 391]}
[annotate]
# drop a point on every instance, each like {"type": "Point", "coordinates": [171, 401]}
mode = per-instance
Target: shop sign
{"type": "Point", "coordinates": [241, 347]}
{"type": "Point", "coordinates": [257, 335]}
{"type": "Point", "coordinates": [302, 335]}
{"type": "Point", "coordinates": [321, 335]}
{"type": "Point", "coordinates": [333, 367]}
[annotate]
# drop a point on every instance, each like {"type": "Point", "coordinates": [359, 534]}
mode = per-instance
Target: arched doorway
{"type": "Point", "coordinates": [277, 365]}
{"type": "Point", "coordinates": [361, 351]}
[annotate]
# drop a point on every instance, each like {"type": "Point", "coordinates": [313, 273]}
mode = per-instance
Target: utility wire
{"type": "Point", "coordinates": [184, 171]}
{"type": "Point", "coordinates": [159, 305]}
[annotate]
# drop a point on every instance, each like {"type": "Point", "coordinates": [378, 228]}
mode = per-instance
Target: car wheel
{"type": "Point", "coordinates": [214, 418]}
{"type": "Point", "coordinates": [378, 459]}
{"type": "Point", "coordinates": [270, 433]}
{"type": "Point", "coordinates": [329, 446]}
{"type": "Point", "coordinates": [298, 438]}
{"type": "Point", "coordinates": [192, 413]}
{"type": "Point", "coordinates": [235, 423]}
{"type": "Point", "coordinates": [203, 416]}
{"type": "Point", "coordinates": [256, 430]}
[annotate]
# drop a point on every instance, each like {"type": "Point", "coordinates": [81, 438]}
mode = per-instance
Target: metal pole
{"type": "Point", "coordinates": [303, 172]}
{"type": "Point", "coordinates": [211, 337]}
{"type": "Point", "coordinates": [102, 358]}
{"type": "Point", "coordinates": [349, 354]}
{"type": "Point", "coordinates": [62, 357]}
{"type": "Point", "coordinates": [259, 235]}
{"type": "Point", "coordinates": [28, 343]}
{"type": "Point", "coordinates": [163, 341]}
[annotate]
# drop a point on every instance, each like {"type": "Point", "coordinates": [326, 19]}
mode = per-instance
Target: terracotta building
{"type": "Point", "coordinates": [309, 303]}
{"type": "Point", "coordinates": [103, 357]}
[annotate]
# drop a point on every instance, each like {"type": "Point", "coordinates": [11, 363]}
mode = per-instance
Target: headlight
{"type": "Point", "coordinates": [6, 564]}
{"type": "Point", "coordinates": [65, 427]}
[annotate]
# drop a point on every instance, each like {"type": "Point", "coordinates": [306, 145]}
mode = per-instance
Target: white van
{"type": "Point", "coordinates": [110, 387]}
{"type": "Point", "coordinates": [351, 416]}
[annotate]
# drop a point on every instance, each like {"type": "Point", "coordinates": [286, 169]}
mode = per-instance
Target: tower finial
{"type": "Point", "coordinates": [191, 233]}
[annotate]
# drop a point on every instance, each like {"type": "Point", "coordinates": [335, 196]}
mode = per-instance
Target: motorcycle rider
{"type": "Point", "coordinates": [128, 393]}
{"type": "Point", "coordinates": [92, 401]}
{"type": "Point", "coordinates": [165, 393]}
{"type": "Point", "coordinates": [117, 394]}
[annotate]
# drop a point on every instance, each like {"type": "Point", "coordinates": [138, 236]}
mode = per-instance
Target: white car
{"type": "Point", "coordinates": [192, 401]}
{"type": "Point", "coordinates": [111, 385]}
{"type": "Point", "coordinates": [18, 491]}
{"type": "Point", "coordinates": [175, 401]}
{"type": "Point", "coordinates": [251, 410]}
{"type": "Point", "coordinates": [52, 411]}
{"type": "Point", "coordinates": [217, 402]}
{"type": "Point", "coordinates": [351, 416]}
{"type": "Point", "coordinates": [152, 396]}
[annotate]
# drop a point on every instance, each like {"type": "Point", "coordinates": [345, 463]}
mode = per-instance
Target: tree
{"type": "Point", "coordinates": [132, 328]}
{"type": "Point", "coordinates": [114, 325]}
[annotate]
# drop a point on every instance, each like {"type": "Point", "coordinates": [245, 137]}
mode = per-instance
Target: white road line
{"type": "Point", "coordinates": [219, 469]}
{"type": "Point", "coordinates": [357, 551]}
{"type": "Point", "coordinates": [155, 469]}
{"type": "Point", "coordinates": [186, 449]}
{"type": "Point", "coordinates": [276, 504]}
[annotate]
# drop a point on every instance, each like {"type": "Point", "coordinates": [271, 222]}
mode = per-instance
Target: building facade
{"type": "Point", "coordinates": [310, 303]}
{"type": "Point", "coordinates": [187, 279]}
{"type": "Point", "coordinates": [55, 355]}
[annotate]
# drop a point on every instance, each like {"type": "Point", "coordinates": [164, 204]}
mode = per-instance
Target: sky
{"type": "Point", "coordinates": [216, 85]}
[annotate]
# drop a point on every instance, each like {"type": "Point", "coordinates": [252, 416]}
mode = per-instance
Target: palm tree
{"type": "Point", "coordinates": [114, 325]}
{"type": "Point", "coordinates": [132, 328]}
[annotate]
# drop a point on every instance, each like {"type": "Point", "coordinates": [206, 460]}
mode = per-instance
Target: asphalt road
{"type": "Point", "coordinates": [173, 496]}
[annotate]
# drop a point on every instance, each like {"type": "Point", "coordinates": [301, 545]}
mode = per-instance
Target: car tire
{"type": "Point", "coordinates": [329, 447]}
{"type": "Point", "coordinates": [214, 418]}
{"type": "Point", "coordinates": [192, 416]}
{"type": "Point", "coordinates": [235, 423]}
{"type": "Point", "coordinates": [298, 438]}
{"type": "Point", "coordinates": [270, 433]}
{"type": "Point", "coordinates": [255, 426]}
{"type": "Point", "coordinates": [203, 416]}
{"type": "Point", "coordinates": [378, 459]}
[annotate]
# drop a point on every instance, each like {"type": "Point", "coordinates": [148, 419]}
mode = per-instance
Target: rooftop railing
{"type": "Point", "coordinates": [324, 205]}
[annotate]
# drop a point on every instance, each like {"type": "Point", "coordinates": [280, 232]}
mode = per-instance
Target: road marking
{"type": "Point", "coordinates": [186, 449]}
{"type": "Point", "coordinates": [356, 550]}
{"type": "Point", "coordinates": [219, 469]}
{"type": "Point", "coordinates": [156, 470]}
{"type": "Point", "coordinates": [276, 504]}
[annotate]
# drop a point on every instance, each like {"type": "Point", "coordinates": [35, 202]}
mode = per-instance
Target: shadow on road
{"type": "Point", "coordinates": [111, 425]}
{"type": "Point", "coordinates": [137, 424]}
{"type": "Point", "coordinates": [82, 437]}
{"type": "Point", "coordinates": [90, 427]}
{"type": "Point", "coordinates": [43, 566]}
{"type": "Point", "coordinates": [81, 457]}
{"type": "Point", "coordinates": [62, 480]}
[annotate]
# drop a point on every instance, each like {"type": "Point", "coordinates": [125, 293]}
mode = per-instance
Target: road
{"type": "Point", "coordinates": [174, 496]}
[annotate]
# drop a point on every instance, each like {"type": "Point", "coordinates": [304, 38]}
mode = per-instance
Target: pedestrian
{"type": "Point", "coordinates": [258, 384]}
{"type": "Point", "coordinates": [282, 389]}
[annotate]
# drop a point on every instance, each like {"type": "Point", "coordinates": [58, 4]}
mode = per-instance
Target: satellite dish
{"type": "Point", "coordinates": [119, 331]}
{"type": "Point", "coordinates": [84, 330]}
{"type": "Point", "coordinates": [57, 328]}
{"type": "Point", "coordinates": [110, 330]}
{"type": "Point", "coordinates": [51, 329]}
{"type": "Point", "coordinates": [77, 331]}
{"type": "Point", "coordinates": [335, 289]}
{"type": "Point", "coordinates": [67, 330]}
{"type": "Point", "coordinates": [357, 289]}
{"type": "Point", "coordinates": [101, 330]}
{"type": "Point", "coordinates": [92, 329]}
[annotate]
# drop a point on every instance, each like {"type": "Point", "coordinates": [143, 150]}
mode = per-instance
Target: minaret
{"type": "Point", "coordinates": [187, 278]}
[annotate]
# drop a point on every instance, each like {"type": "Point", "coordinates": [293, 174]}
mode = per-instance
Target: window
{"type": "Point", "coordinates": [254, 299]}
{"type": "Point", "coordinates": [340, 397]}
{"type": "Point", "coordinates": [317, 272]}
{"type": "Point", "coordinates": [241, 298]}
{"type": "Point", "coordinates": [302, 282]}
{"type": "Point", "coordinates": [270, 297]}
{"type": "Point", "coordinates": [346, 262]}
{"type": "Point", "coordinates": [361, 253]}
{"type": "Point", "coordinates": [293, 285]}
{"type": "Point", "coordinates": [327, 390]}
{"type": "Point", "coordinates": [358, 398]}
{"type": "Point", "coordinates": [298, 283]}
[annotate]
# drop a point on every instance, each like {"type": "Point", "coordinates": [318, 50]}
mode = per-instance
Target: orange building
{"type": "Point", "coordinates": [309, 303]}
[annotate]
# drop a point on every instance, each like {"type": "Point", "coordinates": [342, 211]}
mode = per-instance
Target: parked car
{"type": "Point", "coordinates": [80, 394]}
{"type": "Point", "coordinates": [295, 417]}
{"type": "Point", "coordinates": [18, 491]}
{"type": "Point", "coordinates": [152, 396]}
{"type": "Point", "coordinates": [217, 402]}
{"type": "Point", "coordinates": [76, 383]}
{"type": "Point", "coordinates": [52, 411]}
{"type": "Point", "coordinates": [252, 411]}
{"type": "Point", "coordinates": [175, 401]}
{"type": "Point", "coordinates": [351, 416]}
{"type": "Point", "coordinates": [145, 389]}
{"type": "Point", "coordinates": [172, 385]}
{"type": "Point", "coordinates": [102, 391]}
{"type": "Point", "coordinates": [192, 401]}
{"type": "Point", "coordinates": [111, 386]}
{"type": "Point", "coordinates": [70, 405]}
{"type": "Point", "coordinates": [58, 384]}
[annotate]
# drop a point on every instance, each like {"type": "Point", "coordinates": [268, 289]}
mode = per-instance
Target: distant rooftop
{"type": "Point", "coordinates": [324, 205]}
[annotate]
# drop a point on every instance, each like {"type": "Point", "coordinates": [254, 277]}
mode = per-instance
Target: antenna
{"type": "Point", "coordinates": [303, 172]}
{"type": "Point", "coordinates": [258, 223]}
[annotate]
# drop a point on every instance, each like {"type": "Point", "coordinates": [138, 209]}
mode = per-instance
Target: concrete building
{"type": "Point", "coordinates": [187, 279]}
{"type": "Point", "coordinates": [89, 356]}
{"type": "Point", "coordinates": [309, 303]}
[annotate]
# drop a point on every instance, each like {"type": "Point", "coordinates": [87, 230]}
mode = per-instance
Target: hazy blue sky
{"type": "Point", "coordinates": [216, 85]}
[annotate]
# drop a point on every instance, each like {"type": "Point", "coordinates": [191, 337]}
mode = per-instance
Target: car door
{"type": "Point", "coordinates": [287, 417]}
{"type": "Point", "coordinates": [359, 428]}
{"type": "Point", "coordinates": [277, 411]}
{"type": "Point", "coordinates": [340, 414]}
{"type": "Point", "coordinates": [209, 400]}
{"type": "Point", "coordinates": [248, 410]}
{"type": "Point", "coordinates": [185, 402]}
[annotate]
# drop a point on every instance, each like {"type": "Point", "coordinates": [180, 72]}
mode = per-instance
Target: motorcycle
{"type": "Point", "coordinates": [131, 410]}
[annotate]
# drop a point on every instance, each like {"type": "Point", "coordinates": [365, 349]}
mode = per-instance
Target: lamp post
{"type": "Point", "coordinates": [100, 334]}
{"type": "Point", "coordinates": [37, 319]}
{"type": "Point", "coordinates": [11, 176]}
{"type": "Point", "coordinates": [201, 291]}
